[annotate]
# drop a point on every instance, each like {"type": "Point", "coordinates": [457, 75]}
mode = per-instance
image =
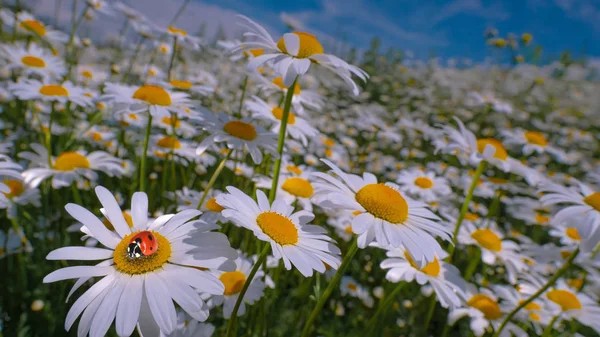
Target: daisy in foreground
{"type": "Point", "coordinates": [144, 268]}
{"type": "Point", "coordinates": [305, 246]}
{"type": "Point", "coordinates": [382, 213]}
{"type": "Point", "coordinates": [293, 54]}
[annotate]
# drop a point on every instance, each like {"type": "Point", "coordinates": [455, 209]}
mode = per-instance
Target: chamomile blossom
{"type": "Point", "coordinates": [383, 213]}
{"type": "Point", "coordinates": [133, 289]}
{"type": "Point", "coordinates": [289, 234]}
{"type": "Point", "coordinates": [425, 186]}
{"type": "Point", "coordinates": [148, 97]}
{"type": "Point", "coordinates": [445, 279]}
{"type": "Point", "coordinates": [580, 207]}
{"type": "Point", "coordinates": [530, 142]}
{"type": "Point", "coordinates": [293, 54]}
{"type": "Point", "coordinates": [27, 24]}
{"type": "Point", "coordinates": [68, 166]}
{"type": "Point", "coordinates": [238, 135]}
{"type": "Point", "coordinates": [234, 281]}
{"type": "Point", "coordinates": [32, 60]}
{"type": "Point", "coordinates": [64, 92]}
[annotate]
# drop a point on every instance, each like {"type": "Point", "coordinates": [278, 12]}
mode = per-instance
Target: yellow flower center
{"type": "Point", "coordinates": [489, 307]}
{"type": "Point", "coordinates": [278, 227]}
{"type": "Point", "coordinates": [593, 200]}
{"type": "Point", "coordinates": [535, 138]}
{"type": "Point", "coordinates": [431, 269]}
{"type": "Point", "coordinates": [278, 114]}
{"type": "Point", "coordinates": [498, 181]}
{"type": "Point", "coordinates": [573, 233]}
{"type": "Point", "coordinates": [298, 187]}
{"type": "Point", "coordinates": [54, 90]}
{"type": "Point", "coordinates": [500, 152]}
{"type": "Point", "coordinates": [254, 52]}
{"type": "Point", "coordinates": [329, 142]}
{"type": "Point", "coordinates": [531, 306]}
{"type": "Point", "coordinates": [309, 45]}
{"type": "Point", "coordinates": [96, 136]}
{"type": "Point", "coordinates": [169, 142]}
{"type": "Point", "coordinates": [213, 206]}
{"type": "Point", "coordinates": [383, 202]}
{"type": "Point", "coordinates": [294, 168]}
{"type": "Point", "coordinates": [576, 283]}
{"type": "Point", "coordinates": [143, 264]}
{"type": "Point", "coordinates": [87, 74]}
{"type": "Point", "coordinates": [69, 161]}
{"type": "Point", "coordinates": [239, 129]}
{"type": "Point", "coordinates": [16, 188]}
{"type": "Point", "coordinates": [172, 121]}
{"type": "Point", "coordinates": [33, 61]}
{"type": "Point", "coordinates": [424, 182]}
{"type": "Point", "coordinates": [566, 299]}
{"type": "Point", "coordinates": [34, 26]}
{"type": "Point", "coordinates": [352, 286]}
{"type": "Point", "coordinates": [153, 95]}
{"type": "Point", "coordinates": [487, 239]}
{"type": "Point", "coordinates": [177, 31]}
{"type": "Point", "coordinates": [328, 152]}
{"type": "Point", "coordinates": [233, 282]}
{"type": "Point", "coordinates": [278, 81]}
{"type": "Point", "coordinates": [127, 217]}
{"type": "Point", "coordinates": [181, 84]}
{"type": "Point", "coordinates": [534, 317]}
{"type": "Point", "coordinates": [541, 218]}
{"type": "Point", "coordinates": [471, 217]}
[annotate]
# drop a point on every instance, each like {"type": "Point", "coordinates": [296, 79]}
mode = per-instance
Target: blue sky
{"type": "Point", "coordinates": [446, 28]}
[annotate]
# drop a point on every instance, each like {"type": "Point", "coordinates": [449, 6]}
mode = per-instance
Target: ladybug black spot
{"type": "Point", "coordinates": [150, 237]}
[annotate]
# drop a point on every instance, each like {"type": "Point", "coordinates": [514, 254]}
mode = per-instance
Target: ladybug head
{"type": "Point", "coordinates": [134, 250]}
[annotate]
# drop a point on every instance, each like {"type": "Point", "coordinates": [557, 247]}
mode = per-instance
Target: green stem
{"type": "Point", "coordinates": [332, 285]}
{"type": "Point", "coordinates": [550, 282]}
{"type": "Point", "coordinates": [430, 313]}
{"type": "Point", "coordinates": [214, 177]}
{"type": "Point", "coordinates": [281, 139]}
{"type": "Point", "coordinates": [172, 61]}
{"type": "Point", "coordinates": [238, 302]}
{"type": "Point", "coordinates": [548, 330]}
{"type": "Point", "coordinates": [244, 86]}
{"type": "Point", "coordinates": [386, 303]}
{"type": "Point", "coordinates": [465, 207]}
{"type": "Point", "coordinates": [76, 194]}
{"type": "Point", "coordinates": [143, 175]}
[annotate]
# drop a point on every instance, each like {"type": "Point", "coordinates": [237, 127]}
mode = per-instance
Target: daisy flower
{"type": "Point", "coordinates": [156, 99]}
{"type": "Point", "coordinates": [132, 286]}
{"type": "Point", "coordinates": [29, 25]}
{"type": "Point", "coordinates": [188, 85]}
{"type": "Point", "coordinates": [349, 286]}
{"type": "Point", "coordinates": [12, 242]}
{"type": "Point", "coordinates": [292, 239]}
{"type": "Point", "coordinates": [531, 141]}
{"type": "Point", "coordinates": [494, 248]}
{"type": "Point", "coordinates": [234, 281]}
{"type": "Point", "coordinates": [20, 194]}
{"type": "Point", "coordinates": [238, 134]}
{"type": "Point", "coordinates": [172, 122]}
{"type": "Point", "coordinates": [295, 184]}
{"type": "Point", "coordinates": [297, 127]}
{"type": "Point", "coordinates": [444, 278]}
{"type": "Point", "coordinates": [580, 206]}
{"type": "Point", "coordinates": [33, 60]}
{"type": "Point", "coordinates": [294, 53]}
{"type": "Point", "coordinates": [183, 37]}
{"type": "Point", "coordinates": [423, 185]}
{"type": "Point", "coordinates": [101, 6]}
{"type": "Point", "coordinates": [382, 213]}
{"type": "Point", "coordinates": [187, 326]}
{"type": "Point", "coordinates": [68, 166]}
{"type": "Point", "coordinates": [162, 147]}
{"type": "Point", "coordinates": [301, 97]}
{"type": "Point", "coordinates": [484, 311]}
{"type": "Point", "coordinates": [65, 92]}
{"type": "Point", "coordinates": [463, 143]}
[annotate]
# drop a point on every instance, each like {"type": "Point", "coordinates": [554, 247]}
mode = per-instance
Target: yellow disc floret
{"type": "Point", "coordinates": [33, 61]}
{"type": "Point", "coordinates": [54, 90]}
{"type": "Point", "coordinates": [487, 239]}
{"type": "Point", "coordinates": [239, 129]}
{"type": "Point", "coordinates": [153, 94]}
{"type": "Point", "coordinates": [278, 227]}
{"type": "Point", "coordinates": [68, 161]}
{"type": "Point", "coordinates": [309, 45]}
{"type": "Point", "coordinates": [566, 299]}
{"type": "Point", "coordinates": [500, 152]}
{"type": "Point", "coordinates": [298, 187]}
{"type": "Point", "coordinates": [233, 282]}
{"type": "Point", "coordinates": [485, 304]}
{"type": "Point", "coordinates": [383, 202]}
{"type": "Point", "coordinates": [142, 264]}
{"type": "Point", "coordinates": [424, 182]}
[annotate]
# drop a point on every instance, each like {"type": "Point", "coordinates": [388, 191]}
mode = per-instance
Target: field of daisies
{"type": "Point", "coordinates": [162, 184]}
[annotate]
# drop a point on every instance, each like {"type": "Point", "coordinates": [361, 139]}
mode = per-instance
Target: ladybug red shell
{"type": "Point", "coordinates": [142, 244]}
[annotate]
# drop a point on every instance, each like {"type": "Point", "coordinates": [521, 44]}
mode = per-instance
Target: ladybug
{"type": "Point", "coordinates": [142, 244]}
